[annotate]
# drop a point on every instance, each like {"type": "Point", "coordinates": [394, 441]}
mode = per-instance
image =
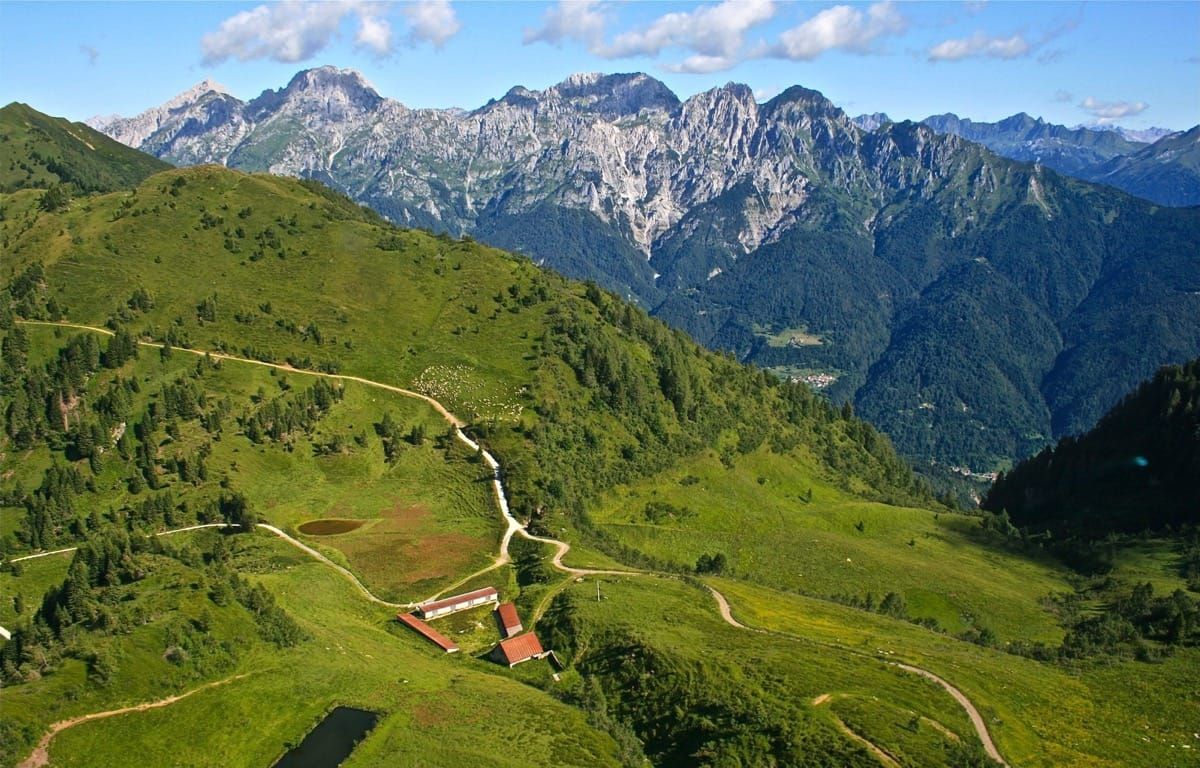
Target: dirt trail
{"type": "Point", "coordinates": [976, 718]}
{"type": "Point", "coordinates": [513, 527]}
{"type": "Point", "coordinates": [41, 754]}
{"type": "Point", "coordinates": [880, 754]}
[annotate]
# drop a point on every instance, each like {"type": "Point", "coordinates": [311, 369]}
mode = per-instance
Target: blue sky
{"type": "Point", "coordinates": [1136, 64]}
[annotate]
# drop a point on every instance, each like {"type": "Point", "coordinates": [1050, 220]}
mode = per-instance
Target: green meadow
{"type": "Point", "coordinates": [783, 523]}
{"type": "Point", "coordinates": [1040, 714]}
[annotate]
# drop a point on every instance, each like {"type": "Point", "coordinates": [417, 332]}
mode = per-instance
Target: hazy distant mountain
{"type": "Point", "coordinates": [1067, 150]}
{"type": "Point", "coordinates": [973, 306]}
{"type": "Point", "coordinates": [872, 121]}
{"type": "Point", "coordinates": [1167, 171]}
{"type": "Point", "coordinates": [1108, 154]}
{"type": "Point", "coordinates": [1140, 135]}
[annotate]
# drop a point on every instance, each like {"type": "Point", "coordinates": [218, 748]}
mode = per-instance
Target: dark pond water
{"type": "Point", "coordinates": [332, 741]}
{"type": "Point", "coordinates": [329, 527]}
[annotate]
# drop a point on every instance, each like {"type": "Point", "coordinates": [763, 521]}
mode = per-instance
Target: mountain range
{"type": "Point", "coordinates": [1157, 164]}
{"type": "Point", "coordinates": [973, 306]}
{"type": "Point", "coordinates": [203, 346]}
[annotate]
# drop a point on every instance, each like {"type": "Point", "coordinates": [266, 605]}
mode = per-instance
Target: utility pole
{"type": "Point", "coordinates": [597, 590]}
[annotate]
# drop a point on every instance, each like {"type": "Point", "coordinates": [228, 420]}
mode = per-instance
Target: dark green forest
{"type": "Point", "coordinates": [1137, 470]}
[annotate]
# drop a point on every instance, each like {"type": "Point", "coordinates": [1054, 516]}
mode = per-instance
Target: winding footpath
{"type": "Point", "coordinates": [41, 754]}
{"type": "Point", "coordinates": [977, 720]}
{"type": "Point", "coordinates": [512, 527]}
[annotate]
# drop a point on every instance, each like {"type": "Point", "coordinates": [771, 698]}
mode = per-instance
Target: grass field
{"type": "Point", "coordinates": [790, 337]}
{"type": "Point", "coordinates": [759, 516]}
{"type": "Point", "coordinates": [437, 709]}
{"type": "Point", "coordinates": [36, 577]}
{"type": "Point", "coordinates": [1127, 713]}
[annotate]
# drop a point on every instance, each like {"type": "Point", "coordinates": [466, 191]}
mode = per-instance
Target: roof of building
{"type": "Point", "coordinates": [443, 642]}
{"type": "Point", "coordinates": [456, 599]}
{"type": "Point", "coordinates": [508, 615]}
{"type": "Point", "coordinates": [520, 648]}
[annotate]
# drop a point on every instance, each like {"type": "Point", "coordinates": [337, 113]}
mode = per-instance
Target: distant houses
{"type": "Point", "coordinates": [446, 606]}
{"type": "Point", "coordinates": [508, 620]}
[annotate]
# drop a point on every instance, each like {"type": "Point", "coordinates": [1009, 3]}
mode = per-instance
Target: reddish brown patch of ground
{"type": "Point", "coordinates": [405, 548]}
{"type": "Point", "coordinates": [430, 714]}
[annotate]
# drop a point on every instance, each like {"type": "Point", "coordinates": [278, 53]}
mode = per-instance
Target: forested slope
{"type": "Point", "coordinates": [1136, 470]}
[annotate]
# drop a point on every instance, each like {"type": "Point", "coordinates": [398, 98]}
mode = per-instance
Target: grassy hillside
{"type": "Point", "coordinates": [425, 516]}
{"type": "Point", "coordinates": [787, 524]}
{"type": "Point", "coordinates": [612, 431]}
{"type": "Point", "coordinates": [37, 150]}
{"type": "Point", "coordinates": [550, 372]}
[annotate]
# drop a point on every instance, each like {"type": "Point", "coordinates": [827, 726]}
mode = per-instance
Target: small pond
{"type": "Point", "coordinates": [332, 741]}
{"type": "Point", "coordinates": [329, 527]}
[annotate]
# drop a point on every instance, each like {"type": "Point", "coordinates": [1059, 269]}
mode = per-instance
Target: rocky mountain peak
{"type": "Point", "coordinates": [615, 95]}
{"type": "Point", "coordinates": [1021, 121]}
{"type": "Point", "coordinates": [798, 99]}
{"type": "Point", "coordinates": [194, 94]}
{"type": "Point", "coordinates": [332, 92]}
{"type": "Point", "coordinates": [323, 80]}
{"type": "Point", "coordinates": [872, 121]}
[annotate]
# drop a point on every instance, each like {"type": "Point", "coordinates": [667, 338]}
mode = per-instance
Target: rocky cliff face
{"type": "Point", "coordinates": [621, 147]}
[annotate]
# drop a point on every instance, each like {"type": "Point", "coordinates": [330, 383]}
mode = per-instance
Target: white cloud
{"type": "Point", "coordinates": [296, 30]}
{"type": "Point", "coordinates": [712, 31]}
{"type": "Point", "coordinates": [289, 31]}
{"type": "Point", "coordinates": [374, 34]}
{"type": "Point", "coordinates": [1063, 97]}
{"type": "Point", "coordinates": [431, 21]}
{"type": "Point", "coordinates": [981, 45]}
{"type": "Point", "coordinates": [974, 6]}
{"type": "Point", "coordinates": [841, 27]}
{"type": "Point", "coordinates": [1015, 46]}
{"type": "Point", "coordinates": [581, 20]}
{"type": "Point", "coordinates": [701, 64]}
{"type": "Point", "coordinates": [1106, 112]}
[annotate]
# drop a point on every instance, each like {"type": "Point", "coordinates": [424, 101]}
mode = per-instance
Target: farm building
{"type": "Point", "coordinates": [428, 632]}
{"type": "Point", "coordinates": [514, 650]}
{"type": "Point", "coordinates": [435, 608]}
{"type": "Point", "coordinates": [507, 618]}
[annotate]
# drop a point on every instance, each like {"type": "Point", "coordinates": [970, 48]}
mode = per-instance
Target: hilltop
{"type": "Point", "coordinates": [37, 150]}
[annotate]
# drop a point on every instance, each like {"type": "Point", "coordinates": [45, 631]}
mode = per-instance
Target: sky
{"type": "Point", "coordinates": [1135, 64]}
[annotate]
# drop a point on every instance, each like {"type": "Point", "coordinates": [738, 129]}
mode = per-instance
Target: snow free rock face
{"type": "Point", "coordinates": [736, 220]}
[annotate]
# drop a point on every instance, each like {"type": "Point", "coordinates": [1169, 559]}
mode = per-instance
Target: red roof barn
{"type": "Point", "coordinates": [514, 650]}
{"type": "Point", "coordinates": [510, 622]}
{"type": "Point", "coordinates": [428, 632]}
